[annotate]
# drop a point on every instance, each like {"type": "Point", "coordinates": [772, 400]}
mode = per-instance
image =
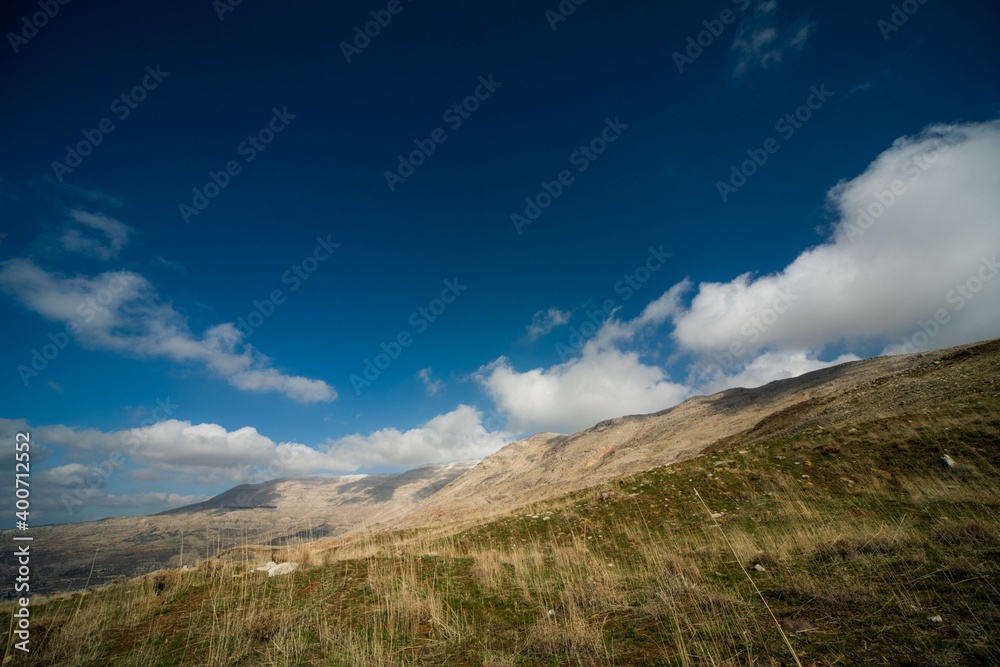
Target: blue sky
{"type": "Point", "coordinates": [615, 122]}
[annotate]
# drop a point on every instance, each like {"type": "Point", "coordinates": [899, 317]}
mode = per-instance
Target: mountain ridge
{"type": "Point", "coordinates": [540, 467]}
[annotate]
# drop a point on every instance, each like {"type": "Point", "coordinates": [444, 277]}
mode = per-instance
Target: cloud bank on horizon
{"type": "Point", "coordinates": [908, 264]}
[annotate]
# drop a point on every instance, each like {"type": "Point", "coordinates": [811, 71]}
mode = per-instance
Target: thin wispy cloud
{"type": "Point", "coordinates": [763, 41]}
{"type": "Point", "coordinates": [97, 235]}
{"type": "Point", "coordinates": [860, 88]}
{"type": "Point", "coordinates": [544, 321]}
{"type": "Point", "coordinates": [432, 385]}
{"type": "Point", "coordinates": [80, 192]}
{"type": "Point", "coordinates": [123, 313]}
{"type": "Point", "coordinates": [169, 264]}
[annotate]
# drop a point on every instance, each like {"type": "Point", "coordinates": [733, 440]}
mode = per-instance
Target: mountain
{"type": "Point", "coordinates": [848, 516]}
{"type": "Point", "coordinates": [544, 466]}
{"type": "Point", "coordinates": [272, 512]}
{"type": "Point", "coordinates": [550, 465]}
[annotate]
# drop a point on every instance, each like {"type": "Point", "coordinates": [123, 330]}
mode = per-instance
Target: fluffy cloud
{"type": "Point", "coordinates": [918, 234]}
{"type": "Point", "coordinates": [909, 265]}
{"type": "Point", "coordinates": [458, 435]}
{"type": "Point", "coordinates": [69, 475]}
{"type": "Point", "coordinates": [769, 367]}
{"type": "Point", "coordinates": [545, 321]}
{"type": "Point", "coordinates": [761, 43]}
{"type": "Point", "coordinates": [205, 450]}
{"type": "Point", "coordinates": [122, 312]}
{"type": "Point", "coordinates": [604, 381]}
{"type": "Point", "coordinates": [209, 453]}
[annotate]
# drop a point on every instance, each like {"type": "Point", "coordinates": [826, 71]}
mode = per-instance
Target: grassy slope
{"type": "Point", "coordinates": [862, 533]}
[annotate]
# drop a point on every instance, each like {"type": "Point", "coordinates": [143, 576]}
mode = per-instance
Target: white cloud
{"type": "Point", "coordinates": [604, 381]}
{"type": "Point", "coordinates": [69, 475]}
{"type": "Point", "coordinates": [459, 435]}
{"type": "Point", "coordinates": [175, 446]}
{"type": "Point", "coordinates": [545, 321]}
{"type": "Point", "coordinates": [887, 266]}
{"type": "Point", "coordinates": [761, 43]}
{"type": "Point", "coordinates": [433, 386]}
{"type": "Point", "coordinates": [928, 248]}
{"type": "Point", "coordinates": [210, 454]}
{"type": "Point", "coordinates": [159, 260]}
{"type": "Point", "coordinates": [122, 312]}
{"type": "Point", "coordinates": [769, 367]}
{"type": "Point", "coordinates": [116, 234]}
{"type": "Point", "coordinates": [570, 396]}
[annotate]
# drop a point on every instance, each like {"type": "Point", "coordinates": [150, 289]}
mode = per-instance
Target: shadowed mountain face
{"type": "Point", "coordinates": [274, 512]}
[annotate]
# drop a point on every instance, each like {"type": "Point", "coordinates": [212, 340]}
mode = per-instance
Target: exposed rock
{"type": "Point", "coordinates": [759, 567]}
{"type": "Point", "coordinates": [948, 462]}
{"type": "Point", "coordinates": [275, 569]}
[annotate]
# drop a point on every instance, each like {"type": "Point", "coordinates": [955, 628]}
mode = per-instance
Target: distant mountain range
{"type": "Point", "coordinates": [272, 512]}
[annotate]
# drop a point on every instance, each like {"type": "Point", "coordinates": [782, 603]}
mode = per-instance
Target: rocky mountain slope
{"type": "Point", "coordinates": [549, 465]}
{"type": "Point", "coordinates": [846, 517]}
{"type": "Point", "coordinates": [272, 512]}
{"type": "Point", "coordinates": [541, 467]}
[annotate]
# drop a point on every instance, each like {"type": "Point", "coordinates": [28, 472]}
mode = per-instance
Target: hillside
{"type": "Point", "coordinates": [272, 512]}
{"type": "Point", "coordinates": [831, 531]}
{"type": "Point", "coordinates": [549, 465]}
